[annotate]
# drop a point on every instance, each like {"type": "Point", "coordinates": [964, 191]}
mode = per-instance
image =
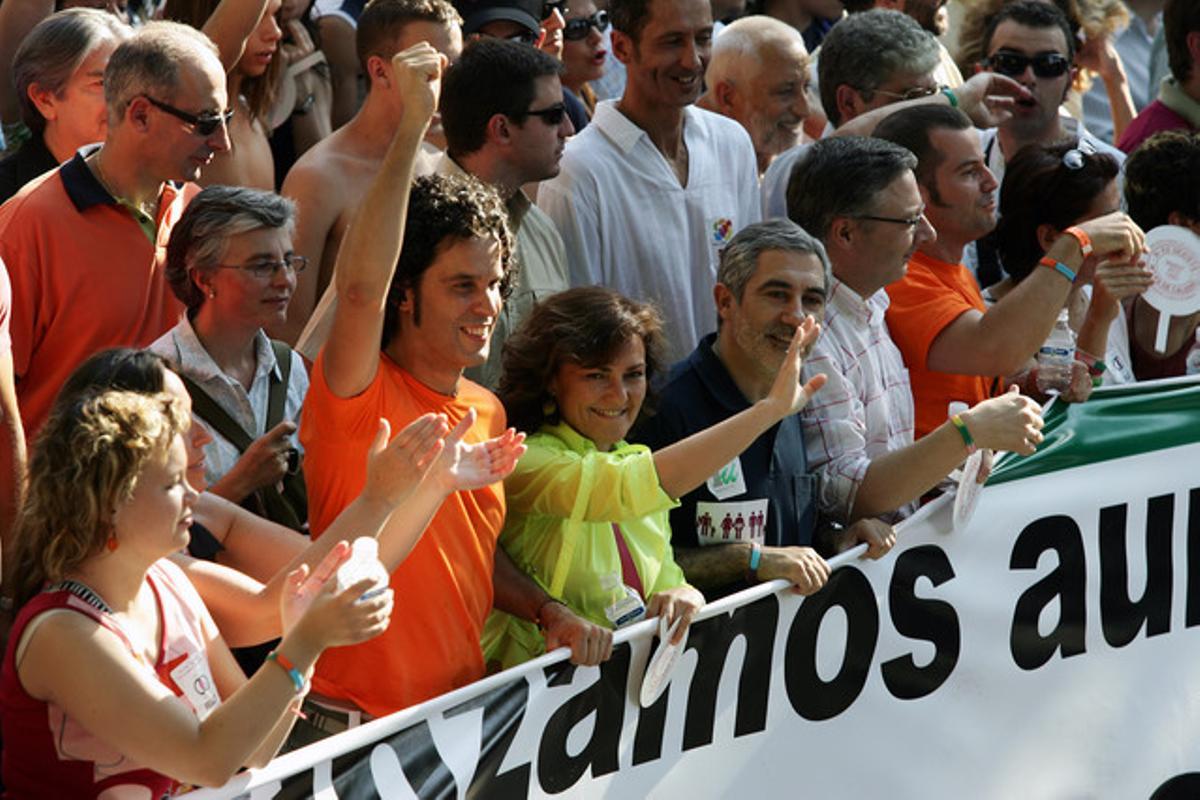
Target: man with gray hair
{"type": "Point", "coordinates": [877, 62]}
{"type": "Point", "coordinates": [860, 197]}
{"type": "Point", "coordinates": [755, 519]}
{"type": "Point", "coordinates": [85, 243]}
{"type": "Point", "coordinates": [759, 76]}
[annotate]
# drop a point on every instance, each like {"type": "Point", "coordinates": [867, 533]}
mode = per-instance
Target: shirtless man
{"type": "Point", "coordinates": [331, 179]}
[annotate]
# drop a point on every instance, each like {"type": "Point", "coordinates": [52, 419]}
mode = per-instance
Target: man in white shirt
{"type": "Point", "coordinates": [652, 190]}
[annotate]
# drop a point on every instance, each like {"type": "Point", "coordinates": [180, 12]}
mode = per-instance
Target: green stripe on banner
{"type": "Point", "coordinates": [1115, 423]}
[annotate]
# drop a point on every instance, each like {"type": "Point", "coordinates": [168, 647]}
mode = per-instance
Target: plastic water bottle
{"type": "Point", "coordinates": [1193, 358]}
{"type": "Point", "coordinates": [363, 563]}
{"type": "Point", "coordinates": [1055, 358]}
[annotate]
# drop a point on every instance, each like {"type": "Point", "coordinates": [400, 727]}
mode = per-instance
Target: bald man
{"type": "Point", "coordinates": [758, 76]}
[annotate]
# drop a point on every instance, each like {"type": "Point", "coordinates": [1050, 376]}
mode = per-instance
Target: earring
{"type": "Point", "coordinates": [112, 544]}
{"type": "Point", "coordinates": [212, 293]}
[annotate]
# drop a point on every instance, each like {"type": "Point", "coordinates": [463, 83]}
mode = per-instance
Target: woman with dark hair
{"type": "Point", "coordinates": [115, 675]}
{"type": "Point", "coordinates": [1046, 190]}
{"type": "Point", "coordinates": [583, 53]}
{"type": "Point", "coordinates": [587, 512]}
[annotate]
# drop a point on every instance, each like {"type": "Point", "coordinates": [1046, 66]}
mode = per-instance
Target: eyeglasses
{"type": "Point", "coordinates": [580, 27]}
{"type": "Point", "coordinates": [266, 269]}
{"type": "Point", "coordinates": [1045, 65]}
{"type": "Point", "coordinates": [551, 116]}
{"type": "Point", "coordinates": [202, 124]}
{"type": "Point", "coordinates": [1076, 157]}
{"type": "Point", "coordinates": [915, 93]}
{"type": "Point", "coordinates": [550, 6]}
{"type": "Point", "coordinates": [911, 222]}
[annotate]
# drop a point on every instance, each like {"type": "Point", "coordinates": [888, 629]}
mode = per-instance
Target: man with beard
{"type": "Point", "coordinates": [772, 276]}
{"type": "Point", "coordinates": [653, 188]}
{"type": "Point", "coordinates": [759, 76]}
{"type": "Point", "coordinates": [505, 123]}
{"type": "Point", "coordinates": [861, 198]}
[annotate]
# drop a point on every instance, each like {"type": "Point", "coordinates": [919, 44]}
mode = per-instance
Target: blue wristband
{"type": "Point", "coordinates": [1059, 267]}
{"type": "Point", "coordinates": [755, 558]}
{"type": "Point", "coordinates": [287, 666]}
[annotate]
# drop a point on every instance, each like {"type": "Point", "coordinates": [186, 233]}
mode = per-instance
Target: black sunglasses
{"type": "Point", "coordinates": [551, 116]}
{"type": "Point", "coordinates": [550, 6]}
{"type": "Point", "coordinates": [203, 124]}
{"type": "Point", "coordinates": [1045, 65]}
{"type": "Point", "coordinates": [579, 28]}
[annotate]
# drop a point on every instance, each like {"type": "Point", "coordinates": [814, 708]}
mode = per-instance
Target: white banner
{"type": "Point", "coordinates": [1048, 650]}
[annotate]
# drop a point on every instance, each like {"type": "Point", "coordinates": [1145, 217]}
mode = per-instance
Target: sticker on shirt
{"type": "Point", "coordinates": [725, 523]}
{"type": "Point", "coordinates": [193, 679]}
{"type": "Point", "coordinates": [722, 231]}
{"type": "Point", "coordinates": [728, 482]}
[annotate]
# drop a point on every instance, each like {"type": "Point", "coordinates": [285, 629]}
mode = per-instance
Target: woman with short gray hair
{"type": "Point", "coordinates": [230, 262]}
{"type": "Point", "coordinates": [58, 73]}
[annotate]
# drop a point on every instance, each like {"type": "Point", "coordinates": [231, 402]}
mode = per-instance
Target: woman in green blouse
{"type": "Point", "coordinates": [588, 512]}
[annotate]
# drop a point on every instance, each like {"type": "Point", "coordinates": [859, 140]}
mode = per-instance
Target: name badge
{"type": "Point", "coordinates": [725, 523]}
{"type": "Point", "coordinates": [728, 482]}
{"type": "Point", "coordinates": [627, 609]}
{"type": "Point", "coordinates": [194, 680]}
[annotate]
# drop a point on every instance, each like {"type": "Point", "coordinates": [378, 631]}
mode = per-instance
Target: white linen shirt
{"type": "Point", "coordinates": [865, 409]}
{"type": "Point", "coordinates": [184, 350]}
{"type": "Point", "coordinates": [628, 224]}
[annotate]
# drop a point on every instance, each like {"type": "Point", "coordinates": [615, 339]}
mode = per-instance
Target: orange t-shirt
{"type": "Point", "coordinates": [85, 277]}
{"type": "Point", "coordinates": [931, 296]}
{"type": "Point", "coordinates": [444, 588]}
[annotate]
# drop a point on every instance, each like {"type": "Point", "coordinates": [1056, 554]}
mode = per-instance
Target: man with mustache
{"type": "Point", "coordinates": [861, 198]}
{"type": "Point", "coordinates": [772, 276]}
{"type": "Point", "coordinates": [505, 123]}
{"type": "Point", "coordinates": [759, 76]}
{"type": "Point", "coordinates": [653, 188]}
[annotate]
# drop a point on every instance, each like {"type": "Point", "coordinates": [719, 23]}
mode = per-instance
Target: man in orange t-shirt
{"type": "Point", "coordinates": [85, 244]}
{"type": "Point", "coordinates": [432, 304]}
{"type": "Point", "coordinates": [953, 345]}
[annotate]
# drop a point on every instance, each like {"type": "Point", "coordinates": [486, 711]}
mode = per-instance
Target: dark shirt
{"type": "Point", "coordinates": [700, 393]}
{"type": "Point", "coordinates": [576, 110]}
{"type": "Point", "coordinates": [18, 169]}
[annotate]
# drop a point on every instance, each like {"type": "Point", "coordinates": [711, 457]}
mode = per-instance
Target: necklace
{"type": "Point", "coordinates": [145, 209]}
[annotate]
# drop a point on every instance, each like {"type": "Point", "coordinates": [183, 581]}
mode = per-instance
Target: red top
{"type": "Point", "coordinates": [49, 755]}
{"type": "Point", "coordinates": [1154, 118]}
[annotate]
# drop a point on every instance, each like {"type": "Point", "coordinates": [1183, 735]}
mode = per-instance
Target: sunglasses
{"type": "Point", "coordinates": [551, 116]}
{"type": "Point", "coordinates": [579, 28]}
{"type": "Point", "coordinates": [549, 8]}
{"type": "Point", "coordinates": [1075, 158]}
{"type": "Point", "coordinates": [1045, 65]}
{"type": "Point", "coordinates": [202, 124]}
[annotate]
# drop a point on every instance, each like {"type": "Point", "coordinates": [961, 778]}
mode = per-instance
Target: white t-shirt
{"type": "Point", "coordinates": [629, 225]}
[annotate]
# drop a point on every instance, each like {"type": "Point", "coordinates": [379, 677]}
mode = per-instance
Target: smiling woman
{"type": "Point", "coordinates": [588, 512]}
{"type": "Point", "coordinates": [230, 261]}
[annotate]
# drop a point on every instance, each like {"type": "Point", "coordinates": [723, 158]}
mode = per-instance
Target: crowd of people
{"type": "Point", "coordinates": [277, 275]}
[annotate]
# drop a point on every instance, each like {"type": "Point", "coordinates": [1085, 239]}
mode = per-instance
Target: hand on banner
{"type": "Point", "coordinates": [682, 601]}
{"type": "Point", "coordinates": [1008, 422]}
{"type": "Point", "coordinates": [590, 644]}
{"type": "Point", "coordinates": [803, 567]}
{"type": "Point", "coordinates": [877, 535]}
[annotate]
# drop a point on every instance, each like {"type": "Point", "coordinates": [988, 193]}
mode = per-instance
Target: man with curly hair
{"type": "Point", "coordinates": [420, 283]}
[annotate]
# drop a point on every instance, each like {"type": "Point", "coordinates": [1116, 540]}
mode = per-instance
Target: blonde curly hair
{"type": "Point", "coordinates": [1090, 19]}
{"type": "Point", "coordinates": [85, 464]}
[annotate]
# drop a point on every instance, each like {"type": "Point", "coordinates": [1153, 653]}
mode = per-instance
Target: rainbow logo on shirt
{"type": "Point", "coordinates": [722, 230]}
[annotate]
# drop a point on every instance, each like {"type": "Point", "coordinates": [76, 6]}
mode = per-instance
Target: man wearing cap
{"type": "Point", "coordinates": [653, 188]}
